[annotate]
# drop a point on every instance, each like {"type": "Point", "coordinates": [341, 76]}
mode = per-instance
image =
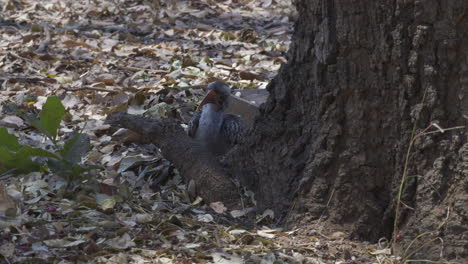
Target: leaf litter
{"type": "Point", "coordinates": [144, 57]}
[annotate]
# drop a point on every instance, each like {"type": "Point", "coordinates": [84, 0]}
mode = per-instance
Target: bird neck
{"type": "Point", "coordinates": [211, 120]}
{"type": "Point", "coordinates": [210, 107]}
{"type": "Point", "coordinates": [212, 110]}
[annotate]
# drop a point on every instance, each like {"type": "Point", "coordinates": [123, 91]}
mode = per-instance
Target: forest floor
{"type": "Point", "coordinates": [143, 57]}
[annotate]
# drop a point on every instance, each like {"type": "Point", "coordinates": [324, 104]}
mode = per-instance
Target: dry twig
{"type": "Point", "coordinates": [45, 43]}
{"type": "Point", "coordinates": [87, 88]}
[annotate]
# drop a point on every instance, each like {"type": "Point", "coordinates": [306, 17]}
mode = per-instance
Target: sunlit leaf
{"type": "Point", "coordinates": [51, 116]}
{"type": "Point", "coordinates": [105, 201]}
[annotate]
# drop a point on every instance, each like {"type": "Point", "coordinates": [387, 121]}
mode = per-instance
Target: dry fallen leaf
{"type": "Point", "coordinates": [122, 242]}
{"type": "Point", "coordinates": [267, 233]}
{"type": "Point", "coordinates": [7, 204]}
{"type": "Point", "coordinates": [218, 207]}
{"type": "Point", "coordinates": [205, 218]}
{"type": "Point", "coordinates": [7, 250]}
{"type": "Point", "coordinates": [14, 120]}
{"type": "Point", "coordinates": [385, 251]}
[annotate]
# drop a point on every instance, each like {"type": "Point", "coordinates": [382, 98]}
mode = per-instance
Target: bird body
{"type": "Point", "coordinates": [212, 127]}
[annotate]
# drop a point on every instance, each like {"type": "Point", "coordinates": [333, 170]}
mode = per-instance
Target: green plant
{"type": "Point", "coordinates": [64, 160]}
{"type": "Point", "coordinates": [404, 179]}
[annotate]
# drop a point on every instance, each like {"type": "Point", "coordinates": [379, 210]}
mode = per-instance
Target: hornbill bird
{"type": "Point", "coordinates": [214, 128]}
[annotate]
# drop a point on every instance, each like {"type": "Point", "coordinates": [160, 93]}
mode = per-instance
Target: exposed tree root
{"type": "Point", "coordinates": [192, 160]}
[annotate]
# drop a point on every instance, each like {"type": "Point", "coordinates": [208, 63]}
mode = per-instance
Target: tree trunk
{"type": "Point", "coordinates": [332, 140]}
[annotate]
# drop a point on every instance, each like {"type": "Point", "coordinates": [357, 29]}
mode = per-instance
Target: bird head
{"type": "Point", "coordinates": [218, 94]}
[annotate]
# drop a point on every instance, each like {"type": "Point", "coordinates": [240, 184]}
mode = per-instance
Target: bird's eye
{"type": "Point", "coordinates": [219, 100]}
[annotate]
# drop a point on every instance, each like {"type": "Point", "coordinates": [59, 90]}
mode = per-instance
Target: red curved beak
{"type": "Point", "coordinates": [210, 98]}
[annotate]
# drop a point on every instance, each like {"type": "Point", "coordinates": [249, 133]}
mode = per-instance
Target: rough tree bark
{"type": "Point", "coordinates": [332, 139]}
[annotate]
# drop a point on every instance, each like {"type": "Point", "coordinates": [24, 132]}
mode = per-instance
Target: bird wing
{"type": "Point", "coordinates": [193, 124]}
{"type": "Point", "coordinates": [232, 129]}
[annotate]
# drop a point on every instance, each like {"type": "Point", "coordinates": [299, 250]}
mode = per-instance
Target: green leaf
{"type": "Point", "coordinates": [51, 116]}
{"type": "Point", "coordinates": [22, 163]}
{"type": "Point", "coordinates": [59, 167]}
{"type": "Point", "coordinates": [36, 152]}
{"type": "Point", "coordinates": [37, 124]}
{"type": "Point", "coordinates": [76, 148]}
{"type": "Point", "coordinates": [8, 140]}
{"type": "Point", "coordinates": [6, 157]}
{"type": "Point", "coordinates": [70, 172]}
{"type": "Point", "coordinates": [22, 160]}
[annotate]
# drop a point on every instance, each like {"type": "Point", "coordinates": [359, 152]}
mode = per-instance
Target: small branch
{"type": "Point", "coordinates": [190, 87]}
{"type": "Point", "coordinates": [45, 43]}
{"type": "Point", "coordinates": [11, 77]}
{"type": "Point", "coordinates": [444, 130]}
{"type": "Point", "coordinates": [7, 174]}
{"type": "Point", "coordinates": [136, 69]}
{"type": "Point", "coordinates": [89, 27]}
{"type": "Point", "coordinates": [89, 88]}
